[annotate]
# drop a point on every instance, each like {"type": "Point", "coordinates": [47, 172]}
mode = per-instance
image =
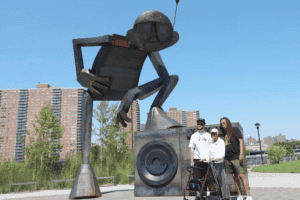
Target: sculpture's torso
{"type": "Point", "coordinates": [123, 65]}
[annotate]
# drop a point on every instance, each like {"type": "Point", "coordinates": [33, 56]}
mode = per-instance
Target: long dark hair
{"type": "Point", "coordinates": [230, 131]}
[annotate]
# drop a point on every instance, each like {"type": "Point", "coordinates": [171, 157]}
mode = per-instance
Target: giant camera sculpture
{"type": "Point", "coordinates": [162, 157]}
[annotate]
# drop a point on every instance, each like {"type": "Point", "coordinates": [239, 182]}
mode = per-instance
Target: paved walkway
{"type": "Point", "coordinates": [263, 186]}
{"type": "Point", "coordinates": [283, 180]}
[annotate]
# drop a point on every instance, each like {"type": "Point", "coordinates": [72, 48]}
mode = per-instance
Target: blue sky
{"type": "Point", "coordinates": [238, 59]}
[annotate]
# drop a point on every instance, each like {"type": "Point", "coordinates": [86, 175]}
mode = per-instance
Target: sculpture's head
{"type": "Point", "coordinates": [152, 31]}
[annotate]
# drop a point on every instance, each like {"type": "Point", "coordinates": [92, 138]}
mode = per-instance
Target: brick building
{"type": "Point", "coordinates": [186, 118]}
{"type": "Point", "coordinates": [278, 138]}
{"type": "Point", "coordinates": [134, 114]}
{"type": "Point", "coordinates": [250, 140]}
{"type": "Point", "coordinates": [18, 110]}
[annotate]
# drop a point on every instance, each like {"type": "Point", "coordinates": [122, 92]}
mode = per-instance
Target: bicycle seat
{"type": "Point", "coordinates": [192, 167]}
{"type": "Point", "coordinates": [196, 180]}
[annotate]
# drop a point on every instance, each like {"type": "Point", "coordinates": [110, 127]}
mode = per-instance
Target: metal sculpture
{"type": "Point", "coordinates": [115, 75]}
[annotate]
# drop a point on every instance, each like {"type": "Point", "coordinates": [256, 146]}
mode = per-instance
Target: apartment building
{"type": "Point", "coordinates": [142, 127]}
{"type": "Point", "coordinates": [250, 140]}
{"type": "Point", "coordinates": [18, 113]}
{"type": "Point", "coordinates": [134, 114]}
{"type": "Point", "coordinates": [186, 118]}
{"type": "Point", "coordinates": [278, 138]}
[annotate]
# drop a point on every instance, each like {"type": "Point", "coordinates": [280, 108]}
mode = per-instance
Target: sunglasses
{"type": "Point", "coordinates": [200, 124]}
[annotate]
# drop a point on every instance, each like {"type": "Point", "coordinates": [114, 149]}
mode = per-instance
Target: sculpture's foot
{"type": "Point", "coordinates": [86, 185]}
{"type": "Point", "coordinates": [158, 120]}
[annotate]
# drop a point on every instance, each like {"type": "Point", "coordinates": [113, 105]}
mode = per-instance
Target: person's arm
{"type": "Point", "coordinates": [241, 146]}
{"type": "Point", "coordinates": [192, 151]}
{"type": "Point", "coordinates": [241, 157]}
{"type": "Point", "coordinates": [239, 136]}
{"type": "Point", "coordinates": [209, 142]}
{"type": "Point", "coordinates": [221, 148]}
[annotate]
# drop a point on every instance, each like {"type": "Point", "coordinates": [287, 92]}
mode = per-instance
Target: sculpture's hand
{"type": "Point", "coordinates": [123, 110]}
{"type": "Point", "coordinates": [94, 83]}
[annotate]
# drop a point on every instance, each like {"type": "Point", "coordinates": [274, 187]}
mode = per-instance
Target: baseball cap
{"type": "Point", "coordinates": [201, 120]}
{"type": "Point", "coordinates": [214, 130]}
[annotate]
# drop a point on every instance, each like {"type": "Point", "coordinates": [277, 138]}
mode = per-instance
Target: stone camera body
{"type": "Point", "coordinates": [162, 157]}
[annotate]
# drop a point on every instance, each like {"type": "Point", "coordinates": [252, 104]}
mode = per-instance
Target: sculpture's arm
{"type": "Point", "coordinates": [94, 41]}
{"type": "Point", "coordinates": [84, 76]}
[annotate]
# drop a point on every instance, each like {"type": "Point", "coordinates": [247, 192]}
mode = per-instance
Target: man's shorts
{"type": "Point", "coordinates": [233, 167]}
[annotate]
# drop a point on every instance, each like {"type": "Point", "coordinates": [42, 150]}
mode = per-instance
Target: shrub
{"type": "Point", "coordinates": [276, 153]}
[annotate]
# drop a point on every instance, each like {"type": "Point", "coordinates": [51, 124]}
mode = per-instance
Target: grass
{"type": "Point", "coordinates": [286, 167]}
{"type": "Point", "coordinates": [11, 172]}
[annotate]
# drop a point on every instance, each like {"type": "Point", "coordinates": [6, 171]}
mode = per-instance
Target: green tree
{"type": "Point", "coordinates": [115, 160]}
{"type": "Point", "coordinates": [40, 153]}
{"type": "Point", "coordinates": [104, 115]}
{"type": "Point", "coordinates": [95, 155]}
{"type": "Point", "coordinates": [246, 152]}
{"type": "Point", "coordinates": [288, 146]}
{"type": "Point", "coordinates": [276, 153]}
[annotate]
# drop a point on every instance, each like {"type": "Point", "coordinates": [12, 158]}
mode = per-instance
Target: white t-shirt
{"type": "Point", "coordinates": [217, 150]}
{"type": "Point", "coordinates": [201, 142]}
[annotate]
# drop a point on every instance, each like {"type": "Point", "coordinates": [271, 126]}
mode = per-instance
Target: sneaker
{"type": "Point", "coordinates": [248, 198]}
{"type": "Point", "coordinates": [240, 197]}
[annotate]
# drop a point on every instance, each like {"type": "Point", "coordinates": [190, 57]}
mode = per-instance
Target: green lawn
{"type": "Point", "coordinates": [286, 167]}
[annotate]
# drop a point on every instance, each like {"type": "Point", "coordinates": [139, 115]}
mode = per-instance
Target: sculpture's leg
{"type": "Point", "coordinates": [169, 82]}
{"type": "Point", "coordinates": [86, 185]}
{"type": "Point", "coordinates": [157, 119]}
{"type": "Point", "coordinates": [164, 93]}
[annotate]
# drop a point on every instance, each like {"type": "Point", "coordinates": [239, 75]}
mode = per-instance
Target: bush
{"type": "Point", "coordinates": [276, 153]}
{"type": "Point", "coordinates": [12, 172]}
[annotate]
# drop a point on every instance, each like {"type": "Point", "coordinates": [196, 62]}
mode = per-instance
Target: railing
{"type": "Point", "coordinates": [129, 177]}
{"type": "Point", "coordinates": [54, 181]}
{"type": "Point", "coordinates": [22, 184]}
{"type": "Point", "coordinates": [255, 161]}
{"type": "Point", "coordinates": [74, 180]}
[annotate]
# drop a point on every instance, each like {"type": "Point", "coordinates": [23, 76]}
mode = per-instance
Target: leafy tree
{"type": "Point", "coordinates": [95, 155]}
{"type": "Point", "coordinates": [39, 153]}
{"type": "Point", "coordinates": [288, 146]}
{"type": "Point", "coordinates": [115, 159]}
{"type": "Point", "coordinates": [276, 153]}
{"type": "Point", "coordinates": [104, 114]}
{"type": "Point", "coordinates": [246, 152]}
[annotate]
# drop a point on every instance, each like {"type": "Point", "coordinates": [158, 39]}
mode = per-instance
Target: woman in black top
{"type": "Point", "coordinates": [234, 157]}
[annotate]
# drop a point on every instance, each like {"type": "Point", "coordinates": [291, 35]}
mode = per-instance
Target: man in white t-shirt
{"type": "Point", "coordinates": [217, 153]}
{"type": "Point", "coordinates": [200, 146]}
